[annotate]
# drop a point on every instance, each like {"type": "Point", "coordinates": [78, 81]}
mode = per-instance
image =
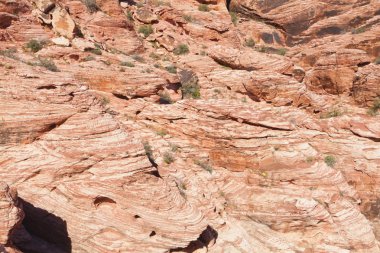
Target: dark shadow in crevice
{"type": "Point", "coordinates": [228, 2]}
{"type": "Point", "coordinates": [208, 235]}
{"type": "Point", "coordinates": [48, 232]}
{"type": "Point", "coordinates": [129, 2]}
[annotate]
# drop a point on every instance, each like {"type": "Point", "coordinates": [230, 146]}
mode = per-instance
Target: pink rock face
{"type": "Point", "coordinates": [11, 214]}
{"type": "Point", "coordinates": [178, 126]}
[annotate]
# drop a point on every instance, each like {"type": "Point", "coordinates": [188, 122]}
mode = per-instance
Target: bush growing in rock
{"type": "Point", "coordinates": [250, 42]}
{"type": "Point", "coordinates": [181, 49]}
{"type": "Point", "coordinates": [234, 18]}
{"type": "Point", "coordinates": [331, 114]}
{"type": "Point", "coordinates": [203, 7]}
{"type": "Point", "coordinates": [171, 69]}
{"type": "Point", "coordinates": [168, 158]}
{"type": "Point", "coordinates": [330, 160]}
{"type": "Point", "coordinates": [373, 110]}
{"type": "Point", "coordinates": [127, 64]}
{"type": "Point", "coordinates": [91, 5]}
{"type": "Point", "coordinates": [189, 85]}
{"type": "Point", "coordinates": [48, 64]}
{"type": "Point", "coordinates": [35, 45]}
{"type": "Point", "coordinates": [204, 165]}
{"type": "Point", "coordinates": [146, 30]}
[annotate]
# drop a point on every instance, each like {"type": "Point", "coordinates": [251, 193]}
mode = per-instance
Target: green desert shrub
{"type": "Point", "coordinates": [127, 64]}
{"type": "Point", "coordinates": [168, 158]}
{"type": "Point", "coordinates": [204, 165]}
{"type": "Point", "coordinates": [331, 114]}
{"type": "Point", "coordinates": [373, 110]}
{"type": "Point", "coordinates": [171, 69]}
{"type": "Point", "coordinates": [91, 5]}
{"type": "Point", "coordinates": [35, 45]}
{"type": "Point", "coordinates": [48, 64]}
{"type": "Point", "coordinates": [203, 7]}
{"type": "Point", "coordinates": [181, 49]}
{"type": "Point", "coordinates": [189, 85]}
{"type": "Point", "coordinates": [146, 30]}
{"type": "Point", "coordinates": [250, 42]}
{"type": "Point", "coordinates": [330, 160]}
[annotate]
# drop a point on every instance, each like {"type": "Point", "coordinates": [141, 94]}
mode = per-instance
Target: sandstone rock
{"type": "Point", "coordinates": [11, 214]}
{"type": "Point", "coordinates": [145, 15]}
{"type": "Point", "coordinates": [63, 23]}
{"type": "Point", "coordinates": [249, 59]}
{"type": "Point", "coordinates": [6, 19]}
{"type": "Point", "coordinates": [326, 76]}
{"type": "Point", "coordinates": [61, 41]}
{"type": "Point", "coordinates": [257, 153]}
{"type": "Point", "coordinates": [82, 44]}
{"type": "Point", "coordinates": [366, 87]}
{"type": "Point", "coordinates": [45, 5]}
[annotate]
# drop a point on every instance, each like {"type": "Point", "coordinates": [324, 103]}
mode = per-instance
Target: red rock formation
{"type": "Point", "coordinates": [10, 218]}
{"type": "Point", "coordinates": [176, 126]}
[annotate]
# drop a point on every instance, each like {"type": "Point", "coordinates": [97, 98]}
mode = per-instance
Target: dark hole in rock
{"type": "Point", "coordinates": [153, 233]}
{"type": "Point", "coordinates": [103, 200]}
{"type": "Point", "coordinates": [228, 2]}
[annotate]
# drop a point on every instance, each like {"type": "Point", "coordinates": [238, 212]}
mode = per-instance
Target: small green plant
{"type": "Point", "coordinates": [250, 43]}
{"type": "Point", "coordinates": [127, 64]}
{"type": "Point", "coordinates": [138, 58]}
{"type": "Point", "coordinates": [91, 5]}
{"type": "Point", "coordinates": [373, 110]}
{"type": "Point", "coordinates": [181, 187]}
{"type": "Point", "coordinates": [104, 101]}
{"type": "Point", "coordinates": [234, 18]}
{"type": "Point", "coordinates": [171, 69]}
{"type": "Point", "coordinates": [204, 165]}
{"type": "Point", "coordinates": [359, 30]}
{"type": "Point", "coordinates": [377, 60]}
{"type": "Point", "coordinates": [148, 151]}
{"type": "Point", "coordinates": [191, 90]}
{"type": "Point", "coordinates": [161, 132]}
{"type": "Point", "coordinates": [310, 159]}
{"type": "Point", "coordinates": [174, 147]}
{"type": "Point", "coordinates": [165, 98]}
{"type": "Point", "coordinates": [129, 16]}
{"type": "Point", "coordinates": [89, 58]}
{"type": "Point", "coordinates": [188, 18]}
{"type": "Point", "coordinates": [10, 53]}
{"type": "Point", "coordinates": [331, 114]}
{"type": "Point", "coordinates": [35, 45]}
{"type": "Point", "coordinates": [154, 56]}
{"type": "Point", "coordinates": [146, 30]}
{"type": "Point", "coordinates": [330, 161]}
{"type": "Point", "coordinates": [203, 7]}
{"type": "Point", "coordinates": [48, 64]}
{"type": "Point", "coordinates": [96, 50]}
{"type": "Point", "coordinates": [281, 51]}
{"type": "Point", "coordinates": [168, 158]}
{"type": "Point", "coordinates": [271, 50]}
{"type": "Point", "coordinates": [181, 49]}
{"type": "Point", "coordinates": [189, 85]}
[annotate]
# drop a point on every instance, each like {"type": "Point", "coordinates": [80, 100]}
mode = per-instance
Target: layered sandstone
{"type": "Point", "coordinates": [176, 126]}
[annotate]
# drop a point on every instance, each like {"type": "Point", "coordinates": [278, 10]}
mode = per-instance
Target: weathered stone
{"type": "Point", "coordinates": [62, 23]}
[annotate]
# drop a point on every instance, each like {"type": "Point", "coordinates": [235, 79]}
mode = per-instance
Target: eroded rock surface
{"type": "Point", "coordinates": [176, 126]}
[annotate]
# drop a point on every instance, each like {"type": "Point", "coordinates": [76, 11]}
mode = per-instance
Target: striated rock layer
{"type": "Point", "coordinates": [189, 126]}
